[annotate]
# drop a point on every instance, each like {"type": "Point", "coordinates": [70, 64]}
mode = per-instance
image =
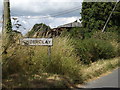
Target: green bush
{"type": "Point", "coordinates": [115, 29]}
{"type": "Point", "coordinates": [91, 50]}
{"type": "Point", "coordinates": [108, 36]}
{"type": "Point", "coordinates": [78, 33]}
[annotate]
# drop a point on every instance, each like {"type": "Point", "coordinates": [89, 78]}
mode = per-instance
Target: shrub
{"type": "Point", "coordinates": [78, 33]}
{"type": "Point", "coordinates": [115, 29]}
{"type": "Point", "coordinates": [111, 37]}
{"type": "Point", "coordinates": [108, 36]}
{"type": "Point", "coordinates": [91, 50]}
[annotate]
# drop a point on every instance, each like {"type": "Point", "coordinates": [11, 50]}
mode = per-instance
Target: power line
{"type": "Point", "coordinates": [59, 14]}
{"type": "Point", "coordinates": [55, 14]}
{"type": "Point", "coordinates": [66, 12]}
{"type": "Point", "coordinates": [51, 15]}
{"type": "Point", "coordinates": [72, 9]}
{"type": "Point", "coordinates": [13, 14]}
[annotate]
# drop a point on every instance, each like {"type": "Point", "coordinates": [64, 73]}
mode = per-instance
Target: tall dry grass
{"type": "Point", "coordinates": [35, 60]}
{"type": "Point", "coordinates": [99, 67]}
{"type": "Point", "coordinates": [63, 60]}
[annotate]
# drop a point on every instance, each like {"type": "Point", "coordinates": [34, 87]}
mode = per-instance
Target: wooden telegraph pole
{"type": "Point", "coordinates": [7, 27]}
{"type": "Point", "coordinates": [6, 17]}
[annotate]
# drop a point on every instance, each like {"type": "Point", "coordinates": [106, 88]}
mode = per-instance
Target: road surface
{"type": "Point", "coordinates": [109, 81]}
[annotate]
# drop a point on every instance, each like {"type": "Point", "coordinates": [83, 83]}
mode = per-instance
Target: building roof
{"type": "Point", "coordinates": [73, 24]}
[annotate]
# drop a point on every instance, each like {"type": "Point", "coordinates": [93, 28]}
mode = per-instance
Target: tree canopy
{"type": "Point", "coordinates": [38, 28]}
{"type": "Point", "coordinates": [95, 14]}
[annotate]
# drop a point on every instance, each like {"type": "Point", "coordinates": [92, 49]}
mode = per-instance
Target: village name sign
{"type": "Point", "coordinates": [36, 41]}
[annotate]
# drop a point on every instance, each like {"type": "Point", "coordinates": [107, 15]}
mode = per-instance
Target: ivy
{"type": "Point", "coordinates": [8, 27]}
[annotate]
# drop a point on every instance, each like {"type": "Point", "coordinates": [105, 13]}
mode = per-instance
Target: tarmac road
{"type": "Point", "coordinates": [109, 81]}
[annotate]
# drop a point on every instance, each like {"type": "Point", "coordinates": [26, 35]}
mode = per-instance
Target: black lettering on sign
{"type": "Point", "coordinates": [47, 41]}
{"type": "Point", "coordinates": [25, 42]}
{"type": "Point", "coordinates": [31, 41]}
{"type": "Point", "coordinates": [34, 41]}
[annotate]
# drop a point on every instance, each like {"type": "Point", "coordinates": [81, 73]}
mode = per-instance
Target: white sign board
{"type": "Point", "coordinates": [36, 41]}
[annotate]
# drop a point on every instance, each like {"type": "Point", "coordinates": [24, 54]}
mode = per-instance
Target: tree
{"type": "Point", "coordinates": [38, 30]}
{"type": "Point", "coordinates": [95, 14]}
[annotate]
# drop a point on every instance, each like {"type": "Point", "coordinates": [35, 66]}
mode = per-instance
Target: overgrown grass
{"type": "Point", "coordinates": [63, 60]}
{"type": "Point", "coordinates": [107, 36]}
{"type": "Point", "coordinates": [30, 60]}
{"type": "Point", "coordinates": [99, 67]}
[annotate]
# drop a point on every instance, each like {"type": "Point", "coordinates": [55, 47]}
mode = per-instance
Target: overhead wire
{"type": "Point", "coordinates": [43, 17]}
{"type": "Point", "coordinates": [52, 14]}
{"type": "Point", "coordinates": [65, 11]}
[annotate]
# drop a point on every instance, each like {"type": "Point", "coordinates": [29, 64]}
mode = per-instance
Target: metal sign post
{"type": "Point", "coordinates": [49, 53]}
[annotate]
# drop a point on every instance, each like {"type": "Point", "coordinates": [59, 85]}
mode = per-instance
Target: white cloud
{"type": "Point", "coordinates": [60, 21]}
{"type": "Point", "coordinates": [41, 7]}
{"type": "Point", "coordinates": [37, 10]}
{"type": "Point", "coordinates": [51, 21]}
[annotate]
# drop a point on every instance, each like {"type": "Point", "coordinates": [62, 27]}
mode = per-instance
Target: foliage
{"type": "Point", "coordinates": [64, 60]}
{"type": "Point", "coordinates": [99, 67]}
{"type": "Point", "coordinates": [37, 28]}
{"type": "Point", "coordinates": [92, 49]}
{"type": "Point", "coordinates": [118, 50]}
{"type": "Point", "coordinates": [78, 33]}
{"type": "Point", "coordinates": [35, 60]}
{"type": "Point", "coordinates": [116, 30]}
{"type": "Point", "coordinates": [107, 36]}
{"type": "Point", "coordinates": [95, 14]}
{"type": "Point", "coordinates": [116, 15]}
{"type": "Point", "coordinates": [7, 36]}
{"type": "Point", "coordinates": [111, 37]}
{"type": "Point", "coordinates": [8, 27]}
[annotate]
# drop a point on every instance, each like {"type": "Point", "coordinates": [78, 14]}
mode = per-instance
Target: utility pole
{"type": "Point", "coordinates": [109, 16]}
{"type": "Point", "coordinates": [7, 27]}
{"type": "Point", "coordinates": [6, 17]}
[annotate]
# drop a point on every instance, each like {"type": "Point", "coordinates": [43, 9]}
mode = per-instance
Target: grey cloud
{"type": "Point", "coordinates": [43, 8]}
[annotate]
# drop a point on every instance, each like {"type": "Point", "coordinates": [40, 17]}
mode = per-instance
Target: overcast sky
{"type": "Point", "coordinates": [50, 12]}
